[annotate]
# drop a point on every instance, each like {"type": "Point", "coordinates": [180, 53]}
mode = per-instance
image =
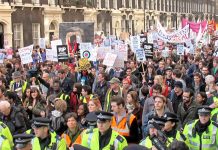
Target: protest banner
{"type": "Point", "coordinates": [119, 63]}
{"type": "Point", "coordinates": [2, 56]}
{"type": "Point", "coordinates": [42, 43]}
{"type": "Point", "coordinates": [109, 59]}
{"type": "Point", "coordinates": [26, 54]}
{"type": "Point", "coordinates": [180, 49]}
{"type": "Point", "coordinates": [135, 42]}
{"type": "Point", "coordinates": [70, 32]}
{"type": "Point", "coordinates": [140, 55]}
{"type": "Point", "coordinates": [102, 51]}
{"type": "Point", "coordinates": [62, 53]}
{"type": "Point", "coordinates": [148, 48]}
{"type": "Point", "coordinates": [195, 27]}
{"type": "Point", "coordinates": [179, 36]}
{"type": "Point", "coordinates": [54, 48]}
{"type": "Point", "coordinates": [49, 55]}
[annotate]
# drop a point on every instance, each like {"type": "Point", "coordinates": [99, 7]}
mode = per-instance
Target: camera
{"type": "Point", "coordinates": [32, 73]}
{"type": "Point", "coordinates": [157, 143]}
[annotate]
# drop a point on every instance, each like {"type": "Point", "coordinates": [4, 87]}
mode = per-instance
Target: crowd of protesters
{"type": "Point", "coordinates": [176, 87]}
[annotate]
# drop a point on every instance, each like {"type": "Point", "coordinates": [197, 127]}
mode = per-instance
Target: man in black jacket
{"type": "Point", "coordinates": [12, 117]}
{"type": "Point", "coordinates": [66, 83]}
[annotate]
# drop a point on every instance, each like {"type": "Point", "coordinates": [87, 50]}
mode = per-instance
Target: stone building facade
{"type": "Point", "coordinates": [23, 22]}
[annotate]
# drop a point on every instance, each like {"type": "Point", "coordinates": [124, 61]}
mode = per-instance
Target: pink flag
{"type": "Point", "coordinates": [194, 26]}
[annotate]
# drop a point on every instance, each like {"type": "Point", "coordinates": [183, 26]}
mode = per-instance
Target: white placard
{"type": "Point", "coordinates": [102, 51]}
{"type": "Point", "coordinates": [140, 55]}
{"type": "Point", "coordinates": [150, 38]}
{"type": "Point", "coordinates": [180, 49]}
{"type": "Point", "coordinates": [54, 48]}
{"type": "Point", "coordinates": [135, 42]}
{"type": "Point", "coordinates": [2, 56]}
{"type": "Point", "coordinates": [165, 53]}
{"type": "Point", "coordinates": [109, 59]}
{"type": "Point", "coordinates": [26, 54]}
{"type": "Point", "coordinates": [122, 51]}
{"type": "Point", "coordinates": [49, 55]}
{"type": "Point", "coordinates": [42, 43]}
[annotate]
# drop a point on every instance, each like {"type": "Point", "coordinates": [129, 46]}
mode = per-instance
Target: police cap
{"type": "Point", "coordinates": [204, 110]}
{"type": "Point", "coordinates": [91, 118]}
{"type": "Point", "coordinates": [156, 120]}
{"type": "Point", "coordinates": [103, 115]}
{"type": "Point", "coordinates": [168, 116]}
{"type": "Point", "coordinates": [21, 140]}
{"type": "Point", "coordinates": [40, 122]}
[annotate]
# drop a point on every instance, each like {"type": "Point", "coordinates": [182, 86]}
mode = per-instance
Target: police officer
{"type": "Point", "coordinates": [155, 137]}
{"type": "Point", "coordinates": [103, 137]}
{"type": "Point", "coordinates": [202, 133]}
{"type": "Point", "coordinates": [170, 126]}
{"type": "Point", "coordinates": [23, 141]}
{"type": "Point", "coordinates": [46, 140]}
{"type": "Point", "coordinates": [6, 133]}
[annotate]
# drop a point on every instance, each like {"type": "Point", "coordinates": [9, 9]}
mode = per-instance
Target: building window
{"type": "Point", "coordinates": [18, 35]}
{"type": "Point", "coordinates": [36, 33]}
{"type": "Point", "coordinates": [124, 3]}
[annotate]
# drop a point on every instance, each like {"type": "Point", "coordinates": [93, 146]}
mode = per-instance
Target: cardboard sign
{"type": "Point", "coordinates": [135, 42]}
{"type": "Point", "coordinates": [180, 49]}
{"type": "Point", "coordinates": [148, 48]}
{"type": "Point", "coordinates": [150, 38]}
{"type": "Point", "coordinates": [62, 53]}
{"type": "Point", "coordinates": [122, 51]}
{"type": "Point", "coordinates": [49, 54]}
{"type": "Point", "coordinates": [26, 54]}
{"type": "Point", "coordinates": [54, 48]}
{"type": "Point", "coordinates": [109, 59]}
{"type": "Point", "coordinates": [9, 53]}
{"type": "Point", "coordinates": [140, 55]}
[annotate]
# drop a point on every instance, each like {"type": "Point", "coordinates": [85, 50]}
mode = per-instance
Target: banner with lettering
{"type": "Point", "coordinates": [26, 54]}
{"type": "Point", "coordinates": [179, 36]}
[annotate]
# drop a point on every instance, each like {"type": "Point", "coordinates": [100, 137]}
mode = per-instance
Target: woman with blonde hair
{"type": "Point", "coordinates": [158, 79]}
{"type": "Point", "coordinates": [94, 104]}
{"type": "Point", "coordinates": [210, 88]}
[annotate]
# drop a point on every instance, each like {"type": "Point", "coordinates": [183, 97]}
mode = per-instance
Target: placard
{"type": "Point", "coordinates": [102, 51]}
{"type": "Point", "coordinates": [49, 55]}
{"type": "Point", "coordinates": [122, 51]}
{"type": "Point", "coordinates": [42, 43]}
{"type": "Point", "coordinates": [54, 48]}
{"type": "Point", "coordinates": [62, 53]}
{"type": "Point", "coordinates": [148, 48]}
{"type": "Point", "coordinates": [26, 54]}
{"type": "Point", "coordinates": [2, 56]}
{"type": "Point", "coordinates": [109, 59]}
{"type": "Point", "coordinates": [180, 49]}
{"type": "Point", "coordinates": [140, 55]}
{"type": "Point", "coordinates": [135, 43]}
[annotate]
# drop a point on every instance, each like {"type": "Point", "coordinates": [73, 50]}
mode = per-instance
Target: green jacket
{"type": "Point", "coordinates": [91, 140]}
{"type": "Point", "coordinates": [5, 131]}
{"type": "Point", "coordinates": [207, 141]}
{"type": "Point", "coordinates": [57, 143]}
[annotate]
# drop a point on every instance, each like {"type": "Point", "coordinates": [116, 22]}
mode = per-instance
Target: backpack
{"type": "Point", "coordinates": [57, 122]}
{"type": "Point", "coordinates": [24, 114]}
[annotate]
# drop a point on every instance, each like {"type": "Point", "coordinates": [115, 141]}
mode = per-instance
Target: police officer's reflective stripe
{"type": "Point", "coordinates": [1, 141]}
{"type": "Point", "coordinates": [90, 139]}
{"type": "Point", "coordinates": [116, 144]}
{"type": "Point", "coordinates": [57, 142]}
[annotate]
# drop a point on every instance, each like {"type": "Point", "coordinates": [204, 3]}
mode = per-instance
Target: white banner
{"type": "Point", "coordinates": [54, 48]}
{"type": "Point", "coordinates": [179, 36]}
{"type": "Point", "coordinates": [26, 54]}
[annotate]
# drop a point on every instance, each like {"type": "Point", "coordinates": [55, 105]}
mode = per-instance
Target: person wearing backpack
{"type": "Point", "coordinates": [57, 116]}
{"type": "Point", "coordinates": [12, 117]}
{"type": "Point", "coordinates": [124, 123]}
